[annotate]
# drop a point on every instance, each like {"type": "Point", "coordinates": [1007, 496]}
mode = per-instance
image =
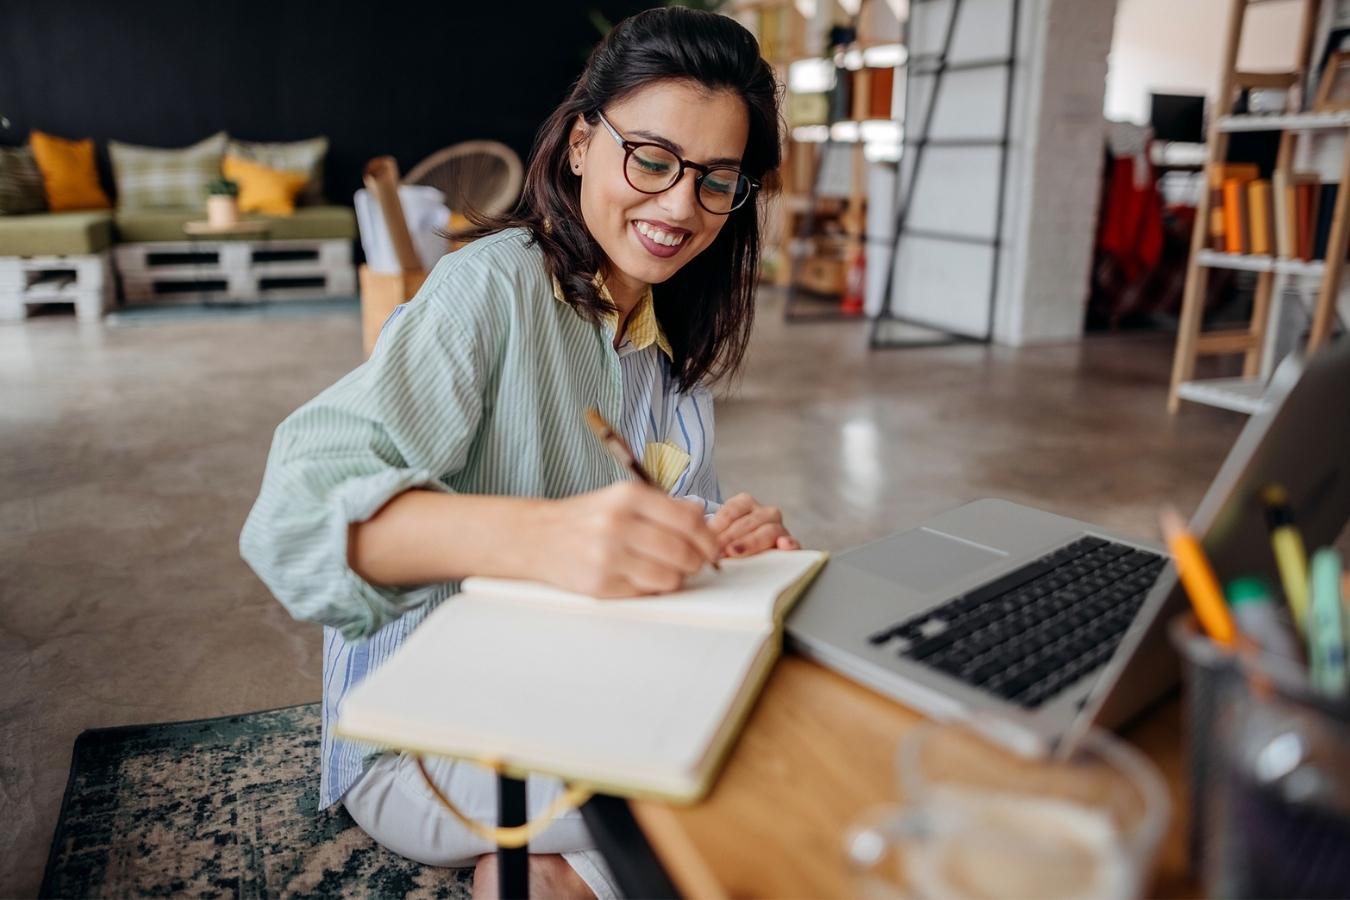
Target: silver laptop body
{"type": "Point", "coordinates": [1301, 442]}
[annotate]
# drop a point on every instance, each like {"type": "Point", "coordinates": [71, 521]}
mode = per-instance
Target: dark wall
{"type": "Point", "coordinates": [405, 79]}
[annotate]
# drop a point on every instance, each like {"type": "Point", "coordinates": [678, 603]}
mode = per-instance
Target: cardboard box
{"type": "Point", "coordinates": [380, 293]}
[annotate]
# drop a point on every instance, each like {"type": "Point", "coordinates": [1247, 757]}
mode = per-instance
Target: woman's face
{"type": "Point", "coordinates": [648, 237]}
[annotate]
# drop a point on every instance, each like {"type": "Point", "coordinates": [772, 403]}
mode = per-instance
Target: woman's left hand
{"type": "Point", "coordinates": [744, 527]}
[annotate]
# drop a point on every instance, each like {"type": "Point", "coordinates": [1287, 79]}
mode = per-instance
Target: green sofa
{"type": "Point", "coordinates": [89, 232]}
{"type": "Point", "coordinates": [307, 223]}
{"type": "Point", "coordinates": [56, 234]}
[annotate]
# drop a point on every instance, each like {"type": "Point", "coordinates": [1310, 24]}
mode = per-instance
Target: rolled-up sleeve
{"type": "Point", "coordinates": [405, 419]}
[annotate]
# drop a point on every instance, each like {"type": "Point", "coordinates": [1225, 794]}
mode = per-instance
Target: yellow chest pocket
{"type": "Point", "coordinates": [665, 463]}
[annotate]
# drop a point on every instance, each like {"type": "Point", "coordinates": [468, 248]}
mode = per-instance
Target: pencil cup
{"type": "Point", "coordinates": [1270, 774]}
{"type": "Point", "coordinates": [978, 821]}
{"type": "Point", "coordinates": [1211, 677]}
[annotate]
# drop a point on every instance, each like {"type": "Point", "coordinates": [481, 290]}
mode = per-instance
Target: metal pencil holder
{"type": "Point", "coordinates": [1269, 763]}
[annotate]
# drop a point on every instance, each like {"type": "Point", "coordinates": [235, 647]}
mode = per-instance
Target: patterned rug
{"type": "Point", "coordinates": [219, 807]}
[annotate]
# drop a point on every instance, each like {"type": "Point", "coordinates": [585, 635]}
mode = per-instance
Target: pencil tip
{"type": "Point", "coordinates": [1171, 521]}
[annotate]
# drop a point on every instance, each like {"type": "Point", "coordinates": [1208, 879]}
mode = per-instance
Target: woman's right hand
{"type": "Point", "coordinates": [620, 541]}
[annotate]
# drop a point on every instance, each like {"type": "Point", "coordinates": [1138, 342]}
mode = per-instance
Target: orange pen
{"type": "Point", "coordinates": [1198, 578]}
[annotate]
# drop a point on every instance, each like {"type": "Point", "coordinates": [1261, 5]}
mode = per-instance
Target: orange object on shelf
{"type": "Point", "coordinates": [851, 303]}
{"type": "Point", "coordinates": [1260, 217]}
{"type": "Point", "coordinates": [1235, 216]}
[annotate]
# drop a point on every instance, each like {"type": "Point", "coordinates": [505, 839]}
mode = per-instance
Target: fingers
{"type": "Point", "coordinates": [685, 520]}
{"type": "Point", "coordinates": [611, 587]}
{"type": "Point", "coordinates": [732, 510]}
{"type": "Point", "coordinates": [663, 548]}
{"type": "Point", "coordinates": [647, 576]}
{"type": "Point", "coordinates": [765, 537]}
{"type": "Point", "coordinates": [640, 557]}
{"type": "Point", "coordinates": [747, 523]}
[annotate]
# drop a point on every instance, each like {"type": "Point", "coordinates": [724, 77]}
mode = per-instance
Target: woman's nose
{"type": "Point", "coordinates": [680, 200]}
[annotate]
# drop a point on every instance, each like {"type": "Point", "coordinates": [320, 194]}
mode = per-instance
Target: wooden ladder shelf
{"type": "Point", "coordinates": [1246, 394]}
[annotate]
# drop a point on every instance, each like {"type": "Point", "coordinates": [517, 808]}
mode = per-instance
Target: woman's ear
{"type": "Point", "coordinates": [576, 143]}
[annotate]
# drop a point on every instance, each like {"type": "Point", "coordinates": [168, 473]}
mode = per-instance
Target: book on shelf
{"type": "Point", "coordinates": [1235, 216]}
{"type": "Point", "coordinates": [1326, 209]}
{"type": "Point", "coordinates": [1283, 204]}
{"type": "Point", "coordinates": [774, 32]}
{"type": "Point", "coordinates": [1216, 241]}
{"type": "Point", "coordinates": [1305, 213]}
{"type": "Point", "coordinates": [1259, 217]}
{"type": "Point", "coordinates": [638, 697]}
{"type": "Point", "coordinates": [881, 92]}
{"type": "Point", "coordinates": [860, 96]}
{"type": "Point", "coordinates": [1222, 236]}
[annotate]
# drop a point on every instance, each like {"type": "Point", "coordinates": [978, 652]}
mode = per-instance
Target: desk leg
{"type": "Point", "coordinates": [620, 840]}
{"type": "Point", "coordinates": [513, 866]}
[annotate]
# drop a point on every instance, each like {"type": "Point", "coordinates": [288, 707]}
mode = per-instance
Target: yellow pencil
{"type": "Point", "coordinates": [1198, 578]}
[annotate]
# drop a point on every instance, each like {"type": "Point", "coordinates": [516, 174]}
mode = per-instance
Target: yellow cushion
{"type": "Point", "coordinates": [69, 175]}
{"type": "Point", "coordinates": [263, 189]}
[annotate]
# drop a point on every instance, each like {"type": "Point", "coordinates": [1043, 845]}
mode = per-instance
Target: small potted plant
{"type": "Point", "coordinates": [222, 203]}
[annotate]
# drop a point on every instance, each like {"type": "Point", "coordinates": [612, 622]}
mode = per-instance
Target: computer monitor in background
{"type": "Point", "coordinates": [1177, 117]}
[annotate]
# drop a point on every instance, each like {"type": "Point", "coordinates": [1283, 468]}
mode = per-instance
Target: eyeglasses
{"type": "Point", "coordinates": [652, 168]}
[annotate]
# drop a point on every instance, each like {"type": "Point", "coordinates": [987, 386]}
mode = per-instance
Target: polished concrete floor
{"type": "Point", "coordinates": [129, 457]}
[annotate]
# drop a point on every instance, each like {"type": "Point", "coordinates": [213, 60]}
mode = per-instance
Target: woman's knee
{"type": "Point", "coordinates": [403, 816]}
{"type": "Point", "coordinates": [394, 805]}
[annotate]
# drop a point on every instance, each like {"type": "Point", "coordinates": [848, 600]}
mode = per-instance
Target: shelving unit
{"type": "Point", "coordinates": [812, 235]}
{"type": "Point", "coordinates": [1245, 394]}
{"type": "Point", "coordinates": [1247, 262]}
{"type": "Point", "coordinates": [920, 141]}
{"type": "Point", "coordinates": [1310, 121]}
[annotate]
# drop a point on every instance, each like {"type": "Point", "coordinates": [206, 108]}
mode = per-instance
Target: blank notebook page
{"type": "Point", "coordinates": [611, 700]}
{"type": "Point", "coordinates": [744, 591]}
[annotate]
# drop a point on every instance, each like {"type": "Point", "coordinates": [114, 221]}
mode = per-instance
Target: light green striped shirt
{"type": "Point", "coordinates": [477, 387]}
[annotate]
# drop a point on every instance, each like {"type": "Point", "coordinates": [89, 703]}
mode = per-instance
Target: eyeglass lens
{"type": "Point", "coordinates": [653, 169]}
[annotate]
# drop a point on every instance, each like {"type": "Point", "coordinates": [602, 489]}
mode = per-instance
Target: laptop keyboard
{"type": "Point", "coordinates": [1038, 629]}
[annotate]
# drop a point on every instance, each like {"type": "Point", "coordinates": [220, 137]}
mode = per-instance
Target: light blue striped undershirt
{"type": "Point", "coordinates": [295, 538]}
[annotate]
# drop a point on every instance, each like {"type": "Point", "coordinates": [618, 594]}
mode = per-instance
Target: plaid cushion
{"type": "Point", "coordinates": [296, 156]}
{"type": "Point", "coordinates": [21, 189]}
{"type": "Point", "coordinates": [155, 178]}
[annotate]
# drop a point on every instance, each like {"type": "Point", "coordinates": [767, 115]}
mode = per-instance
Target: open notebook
{"type": "Point", "coordinates": [639, 697]}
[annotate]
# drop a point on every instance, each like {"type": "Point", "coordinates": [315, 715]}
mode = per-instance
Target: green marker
{"type": "Point", "coordinates": [1326, 625]}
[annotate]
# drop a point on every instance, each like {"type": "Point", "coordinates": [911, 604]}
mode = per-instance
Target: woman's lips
{"type": "Point", "coordinates": [655, 249]}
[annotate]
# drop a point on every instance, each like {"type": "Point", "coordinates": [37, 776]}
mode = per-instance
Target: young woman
{"type": "Point", "coordinates": [624, 282]}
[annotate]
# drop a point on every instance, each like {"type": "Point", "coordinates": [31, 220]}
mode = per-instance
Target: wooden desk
{"type": "Point", "coordinates": [816, 752]}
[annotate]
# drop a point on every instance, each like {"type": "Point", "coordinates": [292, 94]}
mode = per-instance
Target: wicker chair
{"type": "Point", "coordinates": [483, 176]}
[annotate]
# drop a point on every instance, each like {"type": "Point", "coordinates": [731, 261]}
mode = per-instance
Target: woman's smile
{"type": "Point", "coordinates": [658, 238]}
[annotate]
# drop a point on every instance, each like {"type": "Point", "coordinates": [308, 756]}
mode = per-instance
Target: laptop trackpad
{"type": "Point", "coordinates": [922, 560]}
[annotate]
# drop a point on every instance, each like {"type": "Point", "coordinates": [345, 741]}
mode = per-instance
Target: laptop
{"type": "Point", "coordinates": [1030, 627]}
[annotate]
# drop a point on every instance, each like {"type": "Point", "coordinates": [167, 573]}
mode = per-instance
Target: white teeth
{"type": "Point", "coordinates": [661, 237]}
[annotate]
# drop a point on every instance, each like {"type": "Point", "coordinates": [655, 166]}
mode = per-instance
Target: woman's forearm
{"type": "Point", "coordinates": [423, 537]}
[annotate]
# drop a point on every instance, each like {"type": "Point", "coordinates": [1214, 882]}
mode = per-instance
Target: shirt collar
{"type": "Point", "coordinates": [643, 327]}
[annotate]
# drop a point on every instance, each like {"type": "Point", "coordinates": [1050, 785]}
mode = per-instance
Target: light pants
{"type": "Point", "coordinates": [393, 805]}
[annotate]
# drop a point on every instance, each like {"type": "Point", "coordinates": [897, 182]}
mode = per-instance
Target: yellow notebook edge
{"type": "Point", "coordinates": [713, 760]}
{"type": "Point", "coordinates": [751, 688]}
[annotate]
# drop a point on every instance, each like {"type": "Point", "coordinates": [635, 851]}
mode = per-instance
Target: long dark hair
{"type": "Point", "coordinates": [707, 307]}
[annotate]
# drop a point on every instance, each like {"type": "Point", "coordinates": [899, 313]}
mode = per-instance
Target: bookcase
{"type": "Point", "coordinates": [838, 114]}
{"type": "Point", "coordinates": [1277, 242]}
